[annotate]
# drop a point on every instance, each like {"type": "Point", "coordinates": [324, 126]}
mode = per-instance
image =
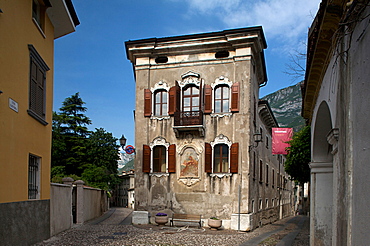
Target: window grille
{"type": "Point", "coordinates": [33, 177]}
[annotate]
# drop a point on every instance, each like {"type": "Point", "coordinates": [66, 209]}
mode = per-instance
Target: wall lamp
{"type": "Point", "coordinates": [257, 137]}
{"type": "Point", "coordinates": [122, 141]}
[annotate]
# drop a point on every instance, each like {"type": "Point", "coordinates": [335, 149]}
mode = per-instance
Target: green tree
{"type": "Point", "coordinates": [299, 156]}
{"type": "Point", "coordinates": [69, 137]}
{"type": "Point", "coordinates": [80, 153]}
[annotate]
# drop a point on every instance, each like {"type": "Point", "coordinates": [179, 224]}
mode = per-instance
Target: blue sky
{"type": "Point", "coordinates": [92, 60]}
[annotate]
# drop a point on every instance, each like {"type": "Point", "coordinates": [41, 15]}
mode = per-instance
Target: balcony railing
{"type": "Point", "coordinates": [188, 118]}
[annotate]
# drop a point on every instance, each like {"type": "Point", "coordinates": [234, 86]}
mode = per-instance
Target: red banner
{"type": "Point", "coordinates": [280, 137]}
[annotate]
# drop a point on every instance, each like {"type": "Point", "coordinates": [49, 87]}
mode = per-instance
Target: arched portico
{"type": "Point", "coordinates": [321, 178]}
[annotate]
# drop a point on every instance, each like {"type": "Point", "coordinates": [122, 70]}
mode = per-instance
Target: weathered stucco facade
{"type": "Point", "coordinates": [197, 115]}
{"type": "Point", "coordinates": [336, 103]}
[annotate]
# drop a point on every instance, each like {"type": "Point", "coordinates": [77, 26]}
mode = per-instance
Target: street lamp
{"type": "Point", "coordinates": [122, 141]}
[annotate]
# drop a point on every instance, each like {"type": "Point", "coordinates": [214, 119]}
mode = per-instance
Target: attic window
{"type": "Point", "coordinates": [161, 59]}
{"type": "Point", "coordinates": [222, 54]}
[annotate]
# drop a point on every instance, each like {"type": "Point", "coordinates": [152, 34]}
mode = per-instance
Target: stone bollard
{"type": "Point", "coordinates": [80, 202]}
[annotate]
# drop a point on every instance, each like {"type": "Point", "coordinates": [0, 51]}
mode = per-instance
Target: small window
{"type": "Point", "coordinates": [267, 174]}
{"type": "Point", "coordinates": [160, 103]}
{"type": "Point", "coordinates": [161, 59]}
{"type": "Point", "coordinates": [261, 171]}
{"type": "Point", "coordinates": [221, 158]}
{"type": "Point", "coordinates": [222, 96]}
{"type": "Point", "coordinates": [254, 165]}
{"type": "Point", "coordinates": [159, 159]}
{"type": "Point", "coordinates": [253, 206]}
{"type": "Point", "coordinates": [267, 142]}
{"type": "Point", "coordinates": [37, 89]}
{"type": "Point", "coordinates": [267, 202]}
{"type": "Point", "coordinates": [222, 54]}
{"type": "Point", "coordinates": [33, 177]}
{"type": "Point", "coordinates": [261, 204]}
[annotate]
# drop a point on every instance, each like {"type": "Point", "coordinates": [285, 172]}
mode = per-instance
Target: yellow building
{"type": "Point", "coordinates": [27, 32]}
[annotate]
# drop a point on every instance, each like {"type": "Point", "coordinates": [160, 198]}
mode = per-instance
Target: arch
{"type": "Point", "coordinates": [321, 149]}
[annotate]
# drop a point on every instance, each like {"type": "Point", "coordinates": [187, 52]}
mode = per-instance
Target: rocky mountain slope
{"type": "Point", "coordinates": [286, 105]}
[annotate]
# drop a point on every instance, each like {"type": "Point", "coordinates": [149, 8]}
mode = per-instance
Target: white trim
{"type": "Point", "coordinates": [158, 141]}
{"type": "Point", "coordinates": [220, 81]}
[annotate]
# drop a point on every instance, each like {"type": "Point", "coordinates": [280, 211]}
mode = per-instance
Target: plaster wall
{"type": "Point", "coordinates": [60, 208]}
{"type": "Point", "coordinates": [20, 133]}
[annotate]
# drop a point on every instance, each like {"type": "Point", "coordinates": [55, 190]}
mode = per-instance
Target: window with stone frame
{"type": "Point", "coordinates": [222, 99]}
{"type": "Point", "coordinates": [221, 156]}
{"type": "Point", "coordinates": [225, 96]}
{"type": "Point", "coordinates": [37, 89]}
{"type": "Point", "coordinates": [190, 99]}
{"type": "Point", "coordinates": [160, 103]}
{"type": "Point", "coordinates": [159, 157]}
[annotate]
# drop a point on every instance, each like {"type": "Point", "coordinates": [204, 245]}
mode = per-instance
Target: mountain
{"type": "Point", "coordinates": [126, 161]}
{"type": "Point", "coordinates": [287, 105]}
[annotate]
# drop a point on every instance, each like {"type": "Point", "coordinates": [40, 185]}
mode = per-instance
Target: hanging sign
{"type": "Point", "coordinates": [280, 137]}
{"type": "Point", "coordinates": [129, 149]}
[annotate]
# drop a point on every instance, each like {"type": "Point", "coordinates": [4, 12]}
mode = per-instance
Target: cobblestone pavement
{"type": "Point", "coordinates": [114, 228]}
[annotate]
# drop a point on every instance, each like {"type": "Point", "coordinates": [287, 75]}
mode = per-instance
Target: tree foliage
{"type": "Point", "coordinates": [299, 156]}
{"type": "Point", "coordinates": [89, 155]}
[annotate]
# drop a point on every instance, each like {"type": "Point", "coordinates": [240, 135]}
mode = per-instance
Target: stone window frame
{"type": "Point", "coordinates": [221, 82]}
{"type": "Point", "coordinates": [160, 86]}
{"type": "Point", "coordinates": [159, 141]}
{"type": "Point", "coordinates": [221, 139]}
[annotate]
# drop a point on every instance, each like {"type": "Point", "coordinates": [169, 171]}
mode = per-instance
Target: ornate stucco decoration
{"type": "Point", "coordinates": [189, 181]}
{"type": "Point", "coordinates": [161, 85]}
{"type": "Point", "coordinates": [221, 139]}
{"type": "Point", "coordinates": [220, 175]}
{"type": "Point", "coordinates": [222, 81]}
{"type": "Point", "coordinates": [189, 162]}
{"type": "Point", "coordinates": [158, 175]}
{"type": "Point", "coordinates": [332, 139]}
{"type": "Point", "coordinates": [159, 141]}
{"type": "Point", "coordinates": [190, 78]}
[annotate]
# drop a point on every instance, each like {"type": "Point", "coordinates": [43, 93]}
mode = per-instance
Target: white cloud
{"type": "Point", "coordinates": [284, 20]}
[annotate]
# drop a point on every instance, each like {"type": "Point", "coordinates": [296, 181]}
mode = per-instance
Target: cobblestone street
{"type": "Point", "coordinates": [114, 228]}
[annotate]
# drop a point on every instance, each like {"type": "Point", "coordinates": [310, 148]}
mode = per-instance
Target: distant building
{"type": "Point", "coordinates": [203, 138]}
{"type": "Point", "coordinates": [336, 104]}
{"type": "Point", "coordinates": [124, 192]}
{"type": "Point", "coordinates": [28, 29]}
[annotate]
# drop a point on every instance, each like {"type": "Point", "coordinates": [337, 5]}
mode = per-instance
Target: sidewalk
{"type": "Point", "coordinates": [114, 228]}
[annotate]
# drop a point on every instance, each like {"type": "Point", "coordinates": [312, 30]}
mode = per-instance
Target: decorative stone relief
{"type": "Point", "coordinates": [332, 139]}
{"type": "Point", "coordinates": [222, 81]}
{"type": "Point", "coordinates": [189, 181]}
{"type": "Point", "coordinates": [159, 141]}
{"type": "Point", "coordinates": [190, 78]}
{"type": "Point", "coordinates": [221, 139]}
{"type": "Point", "coordinates": [161, 85]}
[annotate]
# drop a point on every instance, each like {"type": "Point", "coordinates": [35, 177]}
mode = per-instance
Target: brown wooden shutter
{"type": "Point", "coordinates": [174, 99]}
{"type": "Point", "coordinates": [172, 158]}
{"type": "Point", "coordinates": [147, 103]}
{"type": "Point", "coordinates": [207, 99]}
{"type": "Point", "coordinates": [208, 158]}
{"type": "Point", "coordinates": [234, 157]}
{"type": "Point", "coordinates": [146, 158]}
{"type": "Point", "coordinates": [235, 97]}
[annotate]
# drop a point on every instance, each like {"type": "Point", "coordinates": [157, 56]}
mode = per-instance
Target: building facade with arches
{"type": "Point", "coordinates": [336, 104]}
{"type": "Point", "coordinates": [197, 118]}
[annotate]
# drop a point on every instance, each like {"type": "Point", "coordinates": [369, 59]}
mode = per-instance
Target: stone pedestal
{"type": "Point", "coordinates": [245, 222]}
{"type": "Point", "coordinates": [140, 217]}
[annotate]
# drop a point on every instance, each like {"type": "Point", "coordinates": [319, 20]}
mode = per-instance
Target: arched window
{"type": "Point", "coordinates": [222, 96]}
{"type": "Point", "coordinates": [160, 103]}
{"type": "Point", "coordinates": [190, 99]}
{"type": "Point", "coordinates": [159, 159]}
{"type": "Point", "coordinates": [221, 158]}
